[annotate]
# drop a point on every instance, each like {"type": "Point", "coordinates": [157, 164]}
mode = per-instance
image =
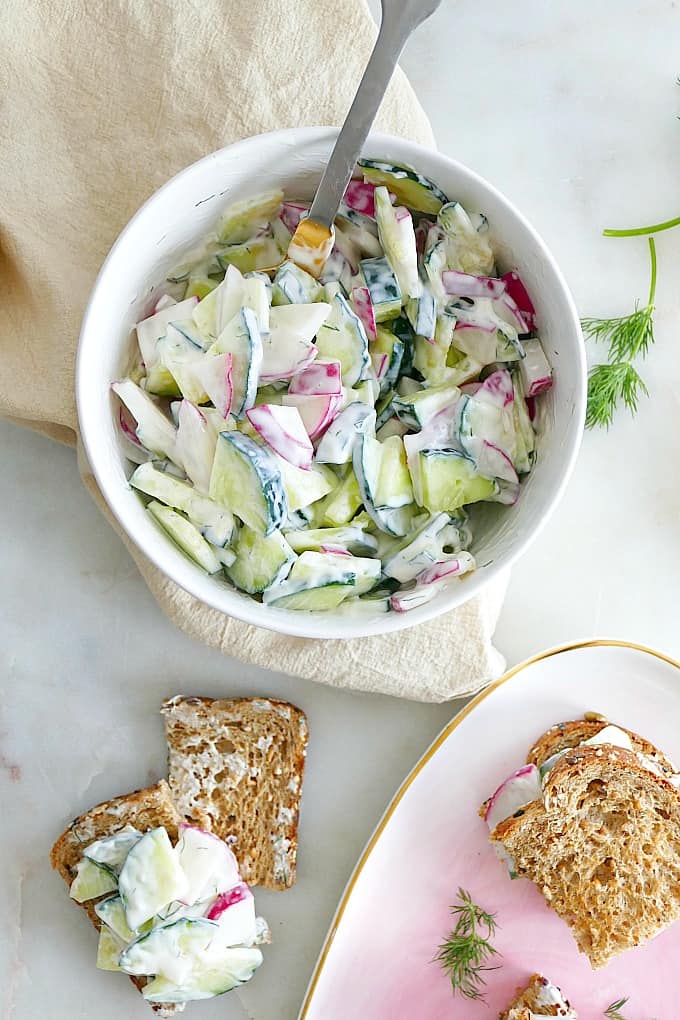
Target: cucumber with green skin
{"type": "Point", "coordinates": [411, 188]}
{"type": "Point", "coordinates": [92, 880]}
{"type": "Point", "coordinates": [416, 409]}
{"type": "Point", "coordinates": [246, 477]}
{"type": "Point", "coordinates": [185, 535]}
{"type": "Point", "coordinates": [261, 560]}
{"type": "Point", "coordinates": [215, 522]}
{"type": "Point", "coordinates": [292, 285]}
{"type": "Point", "coordinates": [239, 220]}
{"type": "Point", "coordinates": [343, 502]}
{"type": "Point", "coordinates": [342, 337]}
{"type": "Point", "coordinates": [449, 480]}
{"type": "Point", "coordinates": [389, 345]}
{"type": "Point", "coordinates": [242, 339]}
{"type": "Point", "coordinates": [353, 538]}
{"type": "Point", "coordinates": [387, 502]}
{"type": "Point", "coordinates": [383, 287]}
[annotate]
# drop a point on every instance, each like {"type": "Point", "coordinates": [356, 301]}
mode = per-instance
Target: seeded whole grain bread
{"type": "Point", "coordinates": [534, 1001]}
{"type": "Point", "coordinates": [603, 847]}
{"type": "Point", "coordinates": [570, 734]}
{"type": "Point", "coordinates": [236, 766]}
{"type": "Point", "coordinates": [143, 809]}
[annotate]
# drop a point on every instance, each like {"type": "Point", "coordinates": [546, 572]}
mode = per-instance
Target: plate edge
{"type": "Point", "coordinates": [425, 758]}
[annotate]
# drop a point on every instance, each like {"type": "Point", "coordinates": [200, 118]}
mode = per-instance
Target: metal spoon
{"type": "Point", "coordinates": [313, 240]}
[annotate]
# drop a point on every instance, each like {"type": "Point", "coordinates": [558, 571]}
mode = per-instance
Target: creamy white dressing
{"type": "Point", "coordinates": [188, 913]}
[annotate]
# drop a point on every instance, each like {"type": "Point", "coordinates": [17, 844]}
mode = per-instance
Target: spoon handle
{"type": "Point", "coordinates": [399, 19]}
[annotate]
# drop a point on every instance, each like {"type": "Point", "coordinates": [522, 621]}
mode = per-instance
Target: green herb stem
{"type": "Point", "coordinates": [466, 951]}
{"type": "Point", "coordinates": [653, 228]}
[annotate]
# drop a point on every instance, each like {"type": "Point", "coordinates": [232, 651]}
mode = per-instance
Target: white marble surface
{"type": "Point", "coordinates": [571, 112]}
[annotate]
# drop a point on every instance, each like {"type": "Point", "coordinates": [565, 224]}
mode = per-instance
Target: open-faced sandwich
{"type": "Point", "coordinates": [593, 819]}
{"type": "Point", "coordinates": [156, 870]}
{"type": "Point", "coordinates": [540, 998]}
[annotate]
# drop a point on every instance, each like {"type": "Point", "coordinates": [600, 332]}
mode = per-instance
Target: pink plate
{"type": "Point", "coordinates": [377, 960]}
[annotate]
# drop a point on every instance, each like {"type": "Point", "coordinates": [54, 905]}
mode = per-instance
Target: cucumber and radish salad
{"type": "Point", "coordinates": [179, 916]}
{"type": "Point", "coordinates": [318, 442]}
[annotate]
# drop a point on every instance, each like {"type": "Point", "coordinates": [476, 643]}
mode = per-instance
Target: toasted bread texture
{"type": "Point", "coordinates": [144, 809]}
{"type": "Point", "coordinates": [539, 998]}
{"type": "Point", "coordinates": [570, 734]}
{"type": "Point", "coordinates": [603, 847]}
{"type": "Point", "coordinates": [236, 766]}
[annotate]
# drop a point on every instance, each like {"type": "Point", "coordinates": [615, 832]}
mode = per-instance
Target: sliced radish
{"type": "Point", "coordinates": [497, 389]}
{"type": "Point", "coordinates": [323, 375]}
{"type": "Point", "coordinates": [507, 309]}
{"type": "Point", "coordinates": [421, 237]}
{"type": "Point", "coordinates": [213, 372]}
{"type": "Point", "coordinates": [234, 911]}
{"type": "Point", "coordinates": [360, 197]}
{"type": "Point", "coordinates": [381, 363]}
{"type": "Point", "coordinates": [531, 407]}
{"type": "Point", "coordinates": [347, 249]}
{"type": "Point", "coordinates": [518, 292]}
{"type": "Point", "coordinates": [164, 301]}
{"type": "Point", "coordinates": [317, 412]}
{"type": "Point", "coordinates": [492, 462]}
{"type": "Point", "coordinates": [454, 566]}
{"type": "Point", "coordinates": [154, 430]}
{"type": "Point", "coordinates": [363, 306]}
{"type": "Point", "coordinates": [289, 348]}
{"type": "Point", "coordinates": [336, 550]}
{"type": "Point", "coordinates": [466, 285]}
{"type": "Point", "coordinates": [134, 450]}
{"type": "Point", "coordinates": [207, 862]}
{"type": "Point", "coordinates": [534, 369]}
{"type": "Point", "coordinates": [196, 441]}
{"type": "Point", "coordinates": [282, 428]}
{"type": "Point", "coordinates": [292, 213]}
{"type": "Point", "coordinates": [405, 601]}
{"type": "Point", "coordinates": [521, 788]}
{"type": "Point", "coordinates": [470, 388]}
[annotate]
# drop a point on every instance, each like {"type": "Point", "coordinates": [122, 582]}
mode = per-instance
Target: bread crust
{"type": "Point", "coordinates": [527, 1001]}
{"type": "Point", "coordinates": [576, 731]}
{"type": "Point", "coordinates": [144, 809]}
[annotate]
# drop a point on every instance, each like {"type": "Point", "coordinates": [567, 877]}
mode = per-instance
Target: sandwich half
{"type": "Point", "coordinates": [539, 998]}
{"type": "Point", "coordinates": [593, 819]}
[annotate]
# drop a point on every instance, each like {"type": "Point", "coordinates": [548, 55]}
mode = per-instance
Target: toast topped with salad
{"type": "Point", "coordinates": [540, 998]}
{"type": "Point", "coordinates": [593, 819]}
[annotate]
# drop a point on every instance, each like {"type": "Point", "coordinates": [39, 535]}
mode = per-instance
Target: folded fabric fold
{"type": "Point", "coordinates": [104, 103]}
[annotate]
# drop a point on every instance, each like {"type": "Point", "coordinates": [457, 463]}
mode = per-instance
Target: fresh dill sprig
{"type": "Point", "coordinates": [613, 1011]}
{"type": "Point", "coordinates": [628, 337]}
{"type": "Point", "coordinates": [466, 951]}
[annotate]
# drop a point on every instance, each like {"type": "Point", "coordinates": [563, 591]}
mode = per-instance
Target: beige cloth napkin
{"type": "Point", "coordinates": [102, 103]}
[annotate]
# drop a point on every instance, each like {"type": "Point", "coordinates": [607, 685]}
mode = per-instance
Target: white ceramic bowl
{"type": "Point", "coordinates": [174, 219]}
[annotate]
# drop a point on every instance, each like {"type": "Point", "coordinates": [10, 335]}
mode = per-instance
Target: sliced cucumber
{"type": "Point", "coordinates": [261, 560]}
{"type": "Point", "coordinates": [109, 949]}
{"type": "Point", "coordinates": [392, 517]}
{"type": "Point", "coordinates": [242, 339]}
{"type": "Point", "coordinates": [323, 580]}
{"type": "Point", "coordinates": [251, 256]}
{"type": "Point", "coordinates": [431, 359]}
{"type": "Point", "coordinates": [185, 535]}
{"type": "Point", "coordinates": [466, 249]}
{"type": "Point", "coordinates": [480, 421]}
{"type": "Point", "coordinates": [417, 409]}
{"type": "Point", "coordinates": [337, 444]}
{"type": "Point", "coordinates": [395, 229]}
{"type": "Point", "coordinates": [449, 480]}
{"type": "Point", "coordinates": [234, 967]}
{"type": "Point", "coordinates": [320, 598]}
{"type": "Point", "coordinates": [383, 286]}
{"type": "Point", "coordinates": [353, 538]}
{"type": "Point", "coordinates": [343, 337]}
{"type": "Point", "coordinates": [293, 286]}
{"type": "Point", "coordinates": [246, 477]}
{"type": "Point", "coordinates": [150, 878]}
{"type": "Point", "coordinates": [389, 347]}
{"type": "Point", "coordinates": [112, 913]}
{"type": "Point", "coordinates": [422, 314]}
{"type": "Point", "coordinates": [256, 297]}
{"type": "Point", "coordinates": [302, 487]}
{"type": "Point", "coordinates": [215, 521]}
{"type": "Point", "coordinates": [343, 503]}
{"type": "Point", "coordinates": [149, 331]}
{"type": "Point", "coordinates": [113, 850]}
{"type": "Point", "coordinates": [525, 437]}
{"type": "Point", "coordinates": [384, 409]}
{"type": "Point", "coordinates": [238, 220]}
{"type": "Point", "coordinates": [420, 550]}
{"type": "Point", "coordinates": [401, 327]}
{"type": "Point", "coordinates": [154, 430]}
{"type": "Point", "coordinates": [411, 188]}
{"type": "Point", "coordinates": [200, 286]}
{"type": "Point", "coordinates": [92, 880]}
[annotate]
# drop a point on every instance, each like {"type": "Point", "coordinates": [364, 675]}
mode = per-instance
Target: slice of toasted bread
{"type": "Point", "coordinates": [539, 998]}
{"type": "Point", "coordinates": [577, 731]}
{"type": "Point", "coordinates": [144, 809]}
{"type": "Point", "coordinates": [603, 847]}
{"type": "Point", "coordinates": [237, 765]}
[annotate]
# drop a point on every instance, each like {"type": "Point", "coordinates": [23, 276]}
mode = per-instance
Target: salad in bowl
{"type": "Point", "coordinates": [324, 444]}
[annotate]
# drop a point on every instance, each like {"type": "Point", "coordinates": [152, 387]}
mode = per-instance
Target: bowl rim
{"type": "Point", "coordinates": [327, 625]}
